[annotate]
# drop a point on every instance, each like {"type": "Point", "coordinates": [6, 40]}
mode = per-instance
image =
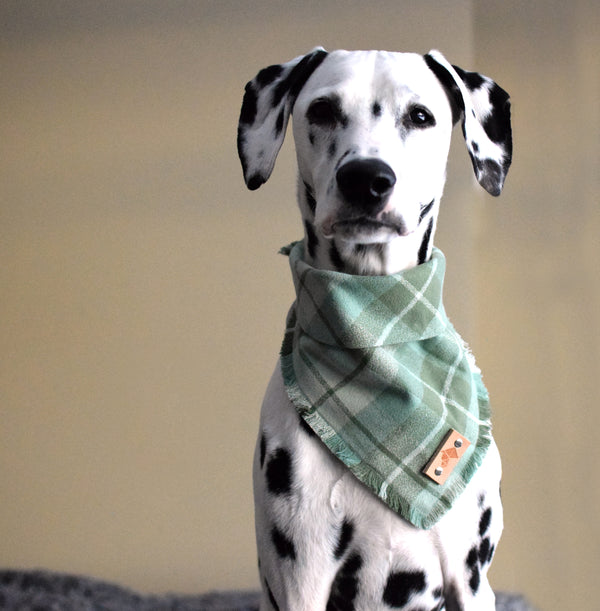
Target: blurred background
{"type": "Point", "coordinates": [143, 300]}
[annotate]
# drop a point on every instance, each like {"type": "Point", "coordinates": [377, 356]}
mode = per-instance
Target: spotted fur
{"type": "Point", "coordinates": [372, 132]}
{"type": "Point", "coordinates": [345, 538]}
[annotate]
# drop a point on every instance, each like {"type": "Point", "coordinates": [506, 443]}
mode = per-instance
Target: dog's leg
{"type": "Point", "coordinates": [466, 556]}
{"type": "Point", "coordinates": [297, 527]}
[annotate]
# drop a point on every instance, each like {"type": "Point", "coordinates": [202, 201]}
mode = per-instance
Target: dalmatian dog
{"type": "Point", "coordinates": [372, 132]}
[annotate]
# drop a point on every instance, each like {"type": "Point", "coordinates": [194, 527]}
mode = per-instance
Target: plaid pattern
{"type": "Point", "coordinates": [376, 369]}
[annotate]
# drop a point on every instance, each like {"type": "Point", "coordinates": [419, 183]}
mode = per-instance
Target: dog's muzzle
{"type": "Point", "coordinates": [366, 184]}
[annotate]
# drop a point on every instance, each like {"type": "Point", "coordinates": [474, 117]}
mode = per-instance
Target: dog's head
{"type": "Point", "coordinates": [372, 132]}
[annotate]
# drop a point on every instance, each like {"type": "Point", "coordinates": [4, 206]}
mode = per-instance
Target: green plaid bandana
{"type": "Point", "coordinates": [375, 368]}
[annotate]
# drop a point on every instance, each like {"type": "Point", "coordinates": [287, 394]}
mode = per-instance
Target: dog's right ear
{"type": "Point", "coordinates": [266, 109]}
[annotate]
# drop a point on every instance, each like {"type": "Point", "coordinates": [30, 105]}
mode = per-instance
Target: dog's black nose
{"type": "Point", "coordinates": [366, 183]}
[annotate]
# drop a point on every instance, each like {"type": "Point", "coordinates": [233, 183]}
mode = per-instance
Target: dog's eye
{"type": "Point", "coordinates": [323, 112]}
{"type": "Point", "coordinates": [419, 116]}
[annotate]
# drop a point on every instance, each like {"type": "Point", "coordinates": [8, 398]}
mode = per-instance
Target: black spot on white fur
{"type": "Point", "coordinates": [481, 554]}
{"type": "Point", "coordinates": [268, 75]}
{"type": "Point", "coordinates": [344, 540]}
{"type": "Point", "coordinates": [425, 210]}
{"type": "Point", "coordinates": [345, 585]}
{"type": "Point", "coordinates": [263, 449]}
{"type": "Point", "coordinates": [497, 123]}
{"type": "Point", "coordinates": [402, 586]}
{"type": "Point", "coordinates": [279, 472]}
{"type": "Point", "coordinates": [249, 106]}
{"type": "Point", "coordinates": [475, 580]}
{"type": "Point", "coordinates": [472, 558]}
{"type": "Point", "coordinates": [484, 551]}
{"type": "Point", "coordinates": [283, 546]}
{"type": "Point", "coordinates": [424, 248]}
{"type": "Point", "coordinates": [312, 241]}
{"type": "Point", "coordinates": [484, 521]}
{"type": "Point", "coordinates": [472, 80]}
{"type": "Point", "coordinates": [293, 83]}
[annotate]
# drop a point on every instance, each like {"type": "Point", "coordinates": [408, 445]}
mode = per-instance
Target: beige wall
{"type": "Point", "coordinates": [538, 296]}
{"type": "Point", "coordinates": [143, 300]}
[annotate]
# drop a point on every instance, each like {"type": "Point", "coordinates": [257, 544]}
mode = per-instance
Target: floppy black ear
{"type": "Point", "coordinates": [266, 109]}
{"type": "Point", "coordinates": [485, 110]}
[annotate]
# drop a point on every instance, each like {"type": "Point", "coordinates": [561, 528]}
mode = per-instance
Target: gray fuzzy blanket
{"type": "Point", "coordinates": [46, 591]}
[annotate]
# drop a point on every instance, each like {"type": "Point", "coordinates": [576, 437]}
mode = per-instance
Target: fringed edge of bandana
{"type": "Point", "coordinates": [365, 474]}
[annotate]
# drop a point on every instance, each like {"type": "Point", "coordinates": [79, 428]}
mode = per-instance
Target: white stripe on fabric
{"type": "Point", "coordinates": [422, 446]}
{"type": "Point", "coordinates": [418, 297]}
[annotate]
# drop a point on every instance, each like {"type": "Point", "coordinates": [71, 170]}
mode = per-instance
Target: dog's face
{"type": "Point", "coordinates": [372, 133]}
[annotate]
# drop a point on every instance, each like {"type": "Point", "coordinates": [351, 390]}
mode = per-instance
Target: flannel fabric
{"type": "Point", "coordinates": [375, 368]}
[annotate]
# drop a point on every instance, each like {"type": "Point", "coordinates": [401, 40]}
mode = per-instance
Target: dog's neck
{"type": "Point", "coordinates": [375, 259]}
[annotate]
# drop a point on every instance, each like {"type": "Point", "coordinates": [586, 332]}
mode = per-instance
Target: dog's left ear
{"type": "Point", "coordinates": [485, 110]}
{"type": "Point", "coordinates": [266, 109]}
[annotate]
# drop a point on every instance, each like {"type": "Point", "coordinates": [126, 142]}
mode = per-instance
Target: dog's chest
{"type": "Point", "coordinates": [313, 515]}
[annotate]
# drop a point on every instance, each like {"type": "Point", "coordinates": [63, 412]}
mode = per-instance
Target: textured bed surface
{"type": "Point", "coordinates": [47, 591]}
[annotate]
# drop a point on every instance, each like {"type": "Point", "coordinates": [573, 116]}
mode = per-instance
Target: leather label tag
{"type": "Point", "coordinates": [446, 457]}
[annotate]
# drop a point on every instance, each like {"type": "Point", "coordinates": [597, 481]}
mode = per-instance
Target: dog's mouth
{"type": "Point", "coordinates": [364, 227]}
